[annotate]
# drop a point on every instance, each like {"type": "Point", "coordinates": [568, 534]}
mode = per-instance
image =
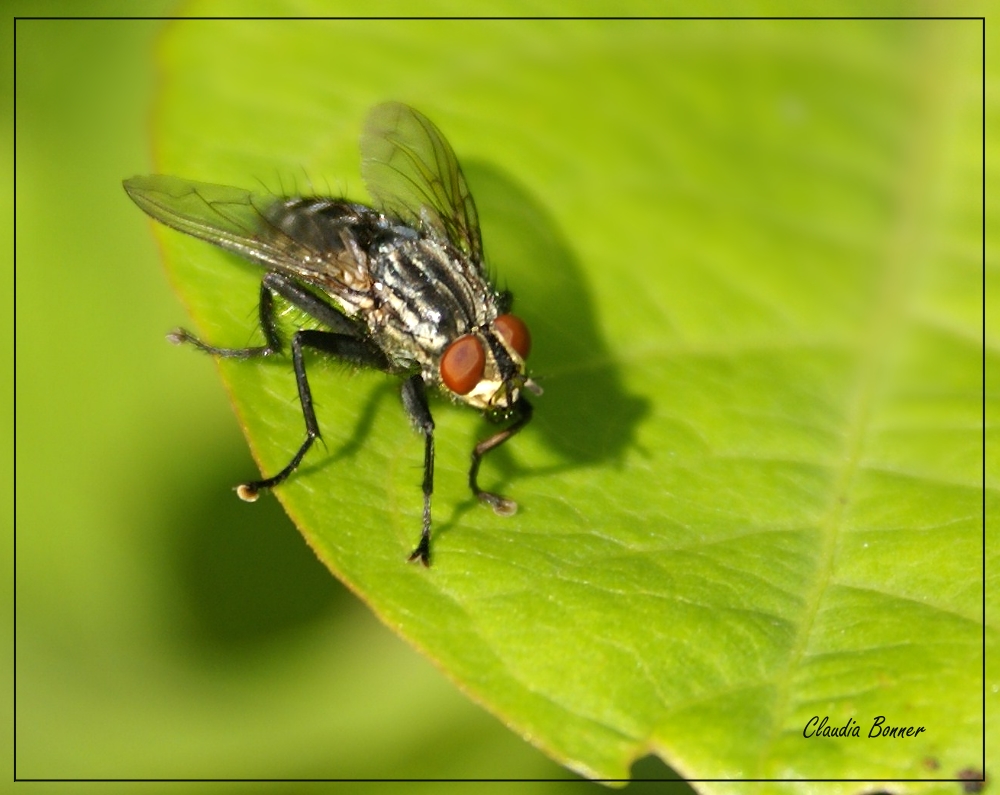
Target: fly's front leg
{"type": "Point", "coordinates": [501, 505]}
{"type": "Point", "coordinates": [415, 403]}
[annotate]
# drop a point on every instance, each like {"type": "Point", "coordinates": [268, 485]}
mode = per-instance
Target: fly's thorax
{"type": "Point", "coordinates": [434, 310]}
{"type": "Point", "coordinates": [426, 295]}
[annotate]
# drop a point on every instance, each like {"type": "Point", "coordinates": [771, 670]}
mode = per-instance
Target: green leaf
{"type": "Point", "coordinates": [750, 257]}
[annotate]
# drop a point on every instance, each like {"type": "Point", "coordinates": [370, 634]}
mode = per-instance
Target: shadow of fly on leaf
{"type": "Point", "coordinates": [400, 287]}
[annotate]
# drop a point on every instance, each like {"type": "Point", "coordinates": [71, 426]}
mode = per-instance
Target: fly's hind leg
{"type": "Point", "coordinates": [267, 324]}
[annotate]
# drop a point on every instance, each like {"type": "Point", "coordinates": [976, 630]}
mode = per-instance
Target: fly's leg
{"type": "Point", "coordinates": [345, 343]}
{"type": "Point", "coordinates": [272, 284]}
{"type": "Point", "coordinates": [352, 349]}
{"type": "Point", "coordinates": [415, 403]}
{"type": "Point", "coordinates": [501, 505]}
{"type": "Point", "coordinates": [267, 324]}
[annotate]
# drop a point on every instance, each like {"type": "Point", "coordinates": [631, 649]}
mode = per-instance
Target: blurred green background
{"type": "Point", "coordinates": [152, 639]}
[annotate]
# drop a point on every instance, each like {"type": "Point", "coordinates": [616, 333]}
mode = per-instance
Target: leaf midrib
{"type": "Point", "coordinates": [902, 248]}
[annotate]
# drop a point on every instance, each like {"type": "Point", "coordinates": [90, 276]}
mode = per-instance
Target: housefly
{"type": "Point", "coordinates": [400, 286]}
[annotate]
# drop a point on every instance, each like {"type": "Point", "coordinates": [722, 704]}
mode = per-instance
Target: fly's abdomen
{"type": "Point", "coordinates": [325, 224]}
{"type": "Point", "coordinates": [339, 235]}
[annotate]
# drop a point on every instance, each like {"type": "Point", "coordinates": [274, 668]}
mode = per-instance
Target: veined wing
{"type": "Point", "coordinates": [413, 174]}
{"type": "Point", "coordinates": [253, 226]}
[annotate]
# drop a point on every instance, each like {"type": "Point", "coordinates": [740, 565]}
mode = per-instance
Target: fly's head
{"type": "Point", "coordinates": [485, 368]}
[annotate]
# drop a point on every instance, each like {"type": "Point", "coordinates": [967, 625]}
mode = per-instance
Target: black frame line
{"type": "Point", "coordinates": [779, 18]}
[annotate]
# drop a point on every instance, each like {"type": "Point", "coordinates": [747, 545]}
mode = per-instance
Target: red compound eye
{"type": "Point", "coordinates": [463, 364]}
{"type": "Point", "coordinates": [515, 333]}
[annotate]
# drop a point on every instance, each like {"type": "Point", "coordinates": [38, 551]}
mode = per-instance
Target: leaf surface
{"type": "Point", "coordinates": [750, 257]}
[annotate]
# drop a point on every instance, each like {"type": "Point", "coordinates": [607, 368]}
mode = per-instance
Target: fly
{"type": "Point", "coordinates": [399, 286]}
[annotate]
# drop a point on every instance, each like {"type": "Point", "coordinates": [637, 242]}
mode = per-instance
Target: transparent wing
{"type": "Point", "coordinates": [413, 174]}
{"type": "Point", "coordinates": [252, 226]}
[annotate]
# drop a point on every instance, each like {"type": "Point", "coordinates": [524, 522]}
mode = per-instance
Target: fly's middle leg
{"type": "Point", "coordinates": [345, 343]}
{"type": "Point", "coordinates": [352, 349]}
